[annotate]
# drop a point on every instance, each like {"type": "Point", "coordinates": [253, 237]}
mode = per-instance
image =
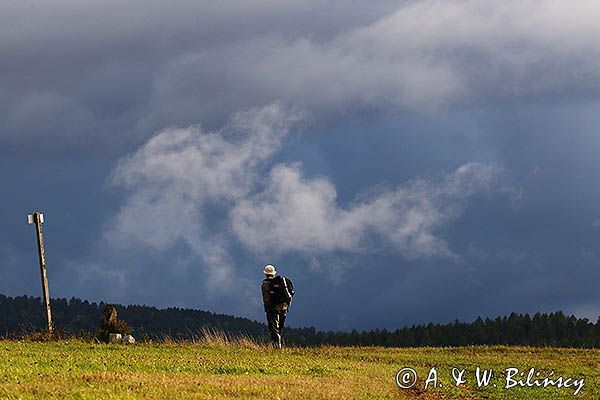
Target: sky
{"type": "Point", "coordinates": [402, 162]}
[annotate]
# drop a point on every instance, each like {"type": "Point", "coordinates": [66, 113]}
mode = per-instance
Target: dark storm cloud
{"type": "Point", "coordinates": [50, 46]}
{"type": "Point", "coordinates": [411, 112]}
{"type": "Point", "coordinates": [120, 71]}
{"type": "Point", "coordinates": [97, 73]}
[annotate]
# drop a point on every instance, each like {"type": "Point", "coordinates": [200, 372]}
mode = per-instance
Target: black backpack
{"type": "Point", "coordinates": [281, 289]}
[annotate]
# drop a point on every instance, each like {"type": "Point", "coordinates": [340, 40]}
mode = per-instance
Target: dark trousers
{"type": "Point", "coordinates": [275, 320]}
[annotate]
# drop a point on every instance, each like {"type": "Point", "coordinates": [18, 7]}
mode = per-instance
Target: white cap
{"type": "Point", "coordinates": [269, 270]}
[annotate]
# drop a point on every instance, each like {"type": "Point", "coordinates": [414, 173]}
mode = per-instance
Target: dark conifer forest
{"type": "Point", "coordinates": [23, 314]}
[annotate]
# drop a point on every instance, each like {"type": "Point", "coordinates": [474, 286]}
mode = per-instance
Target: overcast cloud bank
{"type": "Point", "coordinates": [124, 77]}
{"type": "Point", "coordinates": [412, 115]}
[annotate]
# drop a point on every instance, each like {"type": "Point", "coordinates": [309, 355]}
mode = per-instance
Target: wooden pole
{"type": "Point", "coordinates": [38, 219]}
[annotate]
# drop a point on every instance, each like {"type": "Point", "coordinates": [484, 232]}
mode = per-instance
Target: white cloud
{"type": "Point", "coordinates": [179, 175]}
{"type": "Point", "coordinates": [298, 214]}
{"type": "Point", "coordinates": [177, 172]}
{"type": "Point", "coordinates": [175, 175]}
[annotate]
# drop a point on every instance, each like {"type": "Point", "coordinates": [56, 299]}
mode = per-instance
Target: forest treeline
{"type": "Point", "coordinates": [24, 314]}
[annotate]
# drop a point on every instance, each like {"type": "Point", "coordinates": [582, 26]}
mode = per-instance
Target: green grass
{"type": "Point", "coordinates": [73, 369]}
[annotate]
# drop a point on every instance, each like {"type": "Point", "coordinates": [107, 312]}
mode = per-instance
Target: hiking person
{"type": "Point", "coordinates": [277, 292]}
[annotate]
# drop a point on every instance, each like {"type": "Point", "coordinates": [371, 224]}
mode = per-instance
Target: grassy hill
{"type": "Point", "coordinates": [75, 369]}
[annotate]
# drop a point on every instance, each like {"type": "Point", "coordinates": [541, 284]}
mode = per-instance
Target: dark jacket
{"type": "Point", "coordinates": [267, 297]}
